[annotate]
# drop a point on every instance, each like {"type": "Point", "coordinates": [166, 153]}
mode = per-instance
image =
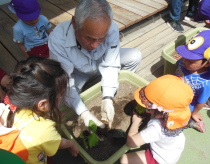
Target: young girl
{"type": "Point", "coordinates": [37, 88]}
{"type": "Point", "coordinates": [167, 99]}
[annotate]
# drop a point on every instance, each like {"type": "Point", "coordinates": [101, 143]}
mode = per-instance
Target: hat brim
{"type": "Point", "coordinates": [136, 97]}
{"type": "Point", "coordinates": [176, 120]}
{"type": "Point", "coordinates": [185, 53]}
{"type": "Point", "coordinates": [29, 17]}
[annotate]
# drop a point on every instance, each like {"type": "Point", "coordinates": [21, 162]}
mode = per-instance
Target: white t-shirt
{"type": "Point", "coordinates": [165, 150]}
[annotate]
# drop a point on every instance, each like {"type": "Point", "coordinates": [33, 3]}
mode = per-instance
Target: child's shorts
{"type": "Point", "coordinates": [149, 157]}
{"type": "Point", "coordinates": [42, 51]}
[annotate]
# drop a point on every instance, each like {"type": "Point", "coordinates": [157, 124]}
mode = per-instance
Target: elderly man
{"type": "Point", "coordinates": [89, 45]}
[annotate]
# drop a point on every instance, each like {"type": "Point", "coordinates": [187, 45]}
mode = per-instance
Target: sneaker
{"type": "Point", "coordinates": [189, 18]}
{"type": "Point", "coordinates": [175, 25]}
{"type": "Point", "coordinates": [199, 126]}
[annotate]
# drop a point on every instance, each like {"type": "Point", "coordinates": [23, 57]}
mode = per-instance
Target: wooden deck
{"type": "Point", "coordinates": [151, 40]}
{"type": "Point", "coordinates": [126, 13]}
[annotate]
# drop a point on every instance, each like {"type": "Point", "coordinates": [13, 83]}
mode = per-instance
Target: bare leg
{"type": "Point", "coordinates": [134, 158]}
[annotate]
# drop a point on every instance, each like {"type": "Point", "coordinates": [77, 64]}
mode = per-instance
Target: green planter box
{"type": "Point", "coordinates": [170, 62]}
{"type": "Point", "coordinates": [92, 93]}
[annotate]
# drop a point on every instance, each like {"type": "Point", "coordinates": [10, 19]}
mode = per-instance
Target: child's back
{"type": "Point", "coordinates": [39, 136]}
{"type": "Point", "coordinates": [162, 146]}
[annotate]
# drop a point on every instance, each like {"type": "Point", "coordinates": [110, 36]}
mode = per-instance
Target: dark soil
{"type": "Point", "coordinates": [112, 140]}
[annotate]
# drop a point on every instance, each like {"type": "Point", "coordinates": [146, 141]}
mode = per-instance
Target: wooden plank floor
{"type": "Point", "coordinates": [151, 39]}
{"type": "Point", "coordinates": [126, 13]}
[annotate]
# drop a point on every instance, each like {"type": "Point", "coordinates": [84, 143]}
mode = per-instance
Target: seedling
{"type": "Point", "coordinates": [90, 138]}
{"type": "Point", "coordinates": [141, 111]}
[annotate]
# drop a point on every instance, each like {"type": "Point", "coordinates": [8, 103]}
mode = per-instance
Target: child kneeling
{"type": "Point", "coordinates": [167, 99]}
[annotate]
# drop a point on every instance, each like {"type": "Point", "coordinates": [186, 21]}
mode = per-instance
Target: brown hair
{"type": "Point", "coordinates": [36, 79]}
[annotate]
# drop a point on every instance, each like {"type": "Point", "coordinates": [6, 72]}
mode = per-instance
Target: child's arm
{"type": "Point", "coordinates": [197, 117]}
{"type": "Point", "coordinates": [134, 138]}
{"type": "Point", "coordinates": [48, 25]}
{"type": "Point", "coordinates": [23, 48]}
{"type": "Point", "coordinates": [72, 147]}
{"type": "Point", "coordinates": [48, 31]}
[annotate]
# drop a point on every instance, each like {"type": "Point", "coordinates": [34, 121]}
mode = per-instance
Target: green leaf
{"type": "Point", "coordinates": [92, 140]}
{"type": "Point", "coordinates": [92, 126]}
{"type": "Point", "coordinates": [81, 135]}
{"type": "Point", "coordinates": [85, 143]}
{"type": "Point", "coordinates": [140, 109]}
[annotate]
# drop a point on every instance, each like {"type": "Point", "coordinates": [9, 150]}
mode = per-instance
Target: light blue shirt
{"type": "Point", "coordinates": [31, 36]}
{"type": "Point", "coordinates": [105, 59]}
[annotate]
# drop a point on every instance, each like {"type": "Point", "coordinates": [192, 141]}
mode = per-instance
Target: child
{"type": "Point", "coordinates": [32, 30]}
{"type": "Point", "coordinates": [4, 83]}
{"type": "Point", "coordinates": [193, 68]}
{"type": "Point", "coordinates": [167, 98]}
{"type": "Point", "coordinates": [203, 12]}
{"type": "Point", "coordinates": [36, 91]}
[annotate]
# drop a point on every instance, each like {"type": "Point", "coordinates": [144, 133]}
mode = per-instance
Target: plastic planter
{"type": "Point", "coordinates": [92, 93]}
{"type": "Point", "coordinates": [170, 62]}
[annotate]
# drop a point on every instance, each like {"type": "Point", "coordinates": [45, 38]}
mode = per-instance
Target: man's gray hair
{"type": "Point", "coordinates": [92, 9]}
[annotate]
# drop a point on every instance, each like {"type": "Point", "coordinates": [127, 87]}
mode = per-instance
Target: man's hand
{"type": "Point", "coordinates": [87, 116]}
{"type": "Point", "coordinates": [107, 111]}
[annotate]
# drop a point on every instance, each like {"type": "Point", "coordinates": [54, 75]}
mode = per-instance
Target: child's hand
{"type": "Point", "coordinates": [197, 117]}
{"type": "Point", "coordinates": [72, 147]}
{"type": "Point", "coordinates": [73, 150]}
{"type": "Point", "coordinates": [136, 118]}
{"type": "Point", "coordinates": [207, 22]}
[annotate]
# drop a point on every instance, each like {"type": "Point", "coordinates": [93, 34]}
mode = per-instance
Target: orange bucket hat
{"type": "Point", "coordinates": [168, 94]}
